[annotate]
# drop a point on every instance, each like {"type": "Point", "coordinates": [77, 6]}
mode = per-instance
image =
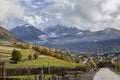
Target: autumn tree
{"type": "Point", "coordinates": [22, 45]}
{"type": "Point", "coordinates": [52, 54]}
{"type": "Point", "coordinates": [92, 64]}
{"type": "Point", "coordinates": [117, 64]}
{"type": "Point", "coordinates": [68, 59]}
{"type": "Point", "coordinates": [58, 55]}
{"type": "Point", "coordinates": [46, 51]}
{"type": "Point", "coordinates": [78, 60]}
{"type": "Point", "coordinates": [63, 57]}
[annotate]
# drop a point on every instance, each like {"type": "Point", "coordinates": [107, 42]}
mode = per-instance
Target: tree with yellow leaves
{"type": "Point", "coordinates": [78, 60]}
{"type": "Point", "coordinates": [92, 64]}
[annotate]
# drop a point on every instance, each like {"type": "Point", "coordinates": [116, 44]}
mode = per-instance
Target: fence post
{"type": "Point", "coordinates": [3, 72]}
{"type": "Point", "coordinates": [42, 76]}
{"type": "Point", "coordinates": [28, 73]}
{"type": "Point", "coordinates": [48, 68]}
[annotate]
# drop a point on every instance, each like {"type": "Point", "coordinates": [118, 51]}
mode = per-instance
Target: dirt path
{"type": "Point", "coordinates": [106, 74]}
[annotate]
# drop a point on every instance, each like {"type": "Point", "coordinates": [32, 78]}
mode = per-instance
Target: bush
{"type": "Point", "coordinates": [101, 64]}
{"type": "Point", "coordinates": [30, 57]}
{"type": "Point", "coordinates": [117, 65]}
{"type": "Point", "coordinates": [36, 56]}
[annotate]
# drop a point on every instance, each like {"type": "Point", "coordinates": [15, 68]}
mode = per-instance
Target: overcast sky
{"type": "Point", "coordinates": [85, 14]}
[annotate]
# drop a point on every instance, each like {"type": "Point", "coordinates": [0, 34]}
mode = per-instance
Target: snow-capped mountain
{"type": "Point", "coordinates": [38, 20]}
{"type": "Point", "coordinates": [101, 41]}
{"type": "Point", "coordinates": [85, 36]}
{"type": "Point", "coordinates": [70, 37]}
{"type": "Point", "coordinates": [41, 20]}
{"type": "Point", "coordinates": [60, 30]}
{"type": "Point", "coordinates": [106, 34]}
{"type": "Point", "coordinates": [29, 33]}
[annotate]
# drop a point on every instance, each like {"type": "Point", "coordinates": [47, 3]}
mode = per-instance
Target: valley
{"type": "Point", "coordinates": [59, 39]}
{"type": "Point", "coordinates": [18, 56]}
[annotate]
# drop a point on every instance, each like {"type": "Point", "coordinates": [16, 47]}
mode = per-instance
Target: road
{"type": "Point", "coordinates": [106, 74]}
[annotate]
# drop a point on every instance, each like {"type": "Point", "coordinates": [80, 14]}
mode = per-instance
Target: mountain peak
{"type": "Point", "coordinates": [27, 32]}
{"type": "Point", "coordinates": [111, 29]}
{"type": "Point", "coordinates": [26, 25]}
{"type": "Point", "coordinates": [60, 30]}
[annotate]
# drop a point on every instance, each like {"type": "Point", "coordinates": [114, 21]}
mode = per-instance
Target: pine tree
{"type": "Point", "coordinates": [16, 56]}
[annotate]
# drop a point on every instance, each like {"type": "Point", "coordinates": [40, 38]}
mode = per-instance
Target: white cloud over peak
{"type": "Point", "coordinates": [10, 9]}
{"type": "Point", "coordinates": [92, 14]}
{"type": "Point", "coordinates": [35, 20]}
{"type": "Point", "coordinates": [85, 14]}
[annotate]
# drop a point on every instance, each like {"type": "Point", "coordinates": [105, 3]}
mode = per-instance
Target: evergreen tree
{"type": "Point", "coordinates": [16, 56]}
{"type": "Point", "coordinates": [30, 56]}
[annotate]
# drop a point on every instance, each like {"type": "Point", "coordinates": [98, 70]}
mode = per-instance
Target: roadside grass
{"type": "Point", "coordinates": [32, 77]}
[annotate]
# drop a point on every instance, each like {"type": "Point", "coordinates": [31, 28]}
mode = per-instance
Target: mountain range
{"type": "Point", "coordinates": [72, 38]}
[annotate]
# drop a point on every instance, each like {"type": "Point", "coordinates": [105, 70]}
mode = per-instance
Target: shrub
{"type": "Point", "coordinates": [35, 56]}
{"type": "Point", "coordinates": [30, 57]}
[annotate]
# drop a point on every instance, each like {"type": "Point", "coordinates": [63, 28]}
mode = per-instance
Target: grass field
{"type": "Point", "coordinates": [26, 52]}
{"type": "Point", "coordinates": [43, 61]}
{"type": "Point", "coordinates": [5, 52]}
{"type": "Point", "coordinates": [5, 55]}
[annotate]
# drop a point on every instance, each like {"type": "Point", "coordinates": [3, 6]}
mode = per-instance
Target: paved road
{"type": "Point", "coordinates": [106, 74]}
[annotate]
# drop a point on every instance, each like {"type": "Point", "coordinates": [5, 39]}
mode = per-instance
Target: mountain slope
{"type": "Point", "coordinates": [106, 34]}
{"type": "Point", "coordinates": [6, 35]}
{"type": "Point", "coordinates": [101, 41]}
{"type": "Point", "coordinates": [27, 33]}
{"type": "Point", "coordinates": [59, 30]}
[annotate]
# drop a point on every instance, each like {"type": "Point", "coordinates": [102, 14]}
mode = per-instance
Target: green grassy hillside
{"type": "Point", "coordinates": [5, 55]}
{"type": "Point", "coordinates": [44, 60]}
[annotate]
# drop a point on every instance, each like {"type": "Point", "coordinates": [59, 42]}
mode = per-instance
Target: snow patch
{"type": "Point", "coordinates": [52, 34]}
{"type": "Point", "coordinates": [79, 33]}
{"type": "Point", "coordinates": [27, 25]}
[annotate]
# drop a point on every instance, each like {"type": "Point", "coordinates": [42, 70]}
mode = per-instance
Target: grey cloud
{"type": "Point", "coordinates": [10, 9]}
{"type": "Point", "coordinates": [98, 14]}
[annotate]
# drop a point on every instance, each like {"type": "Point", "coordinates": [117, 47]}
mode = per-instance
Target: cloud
{"type": "Point", "coordinates": [10, 9]}
{"type": "Point", "coordinates": [92, 14]}
{"type": "Point", "coordinates": [85, 14]}
{"type": "Point", "coordinates": [35, 20]}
